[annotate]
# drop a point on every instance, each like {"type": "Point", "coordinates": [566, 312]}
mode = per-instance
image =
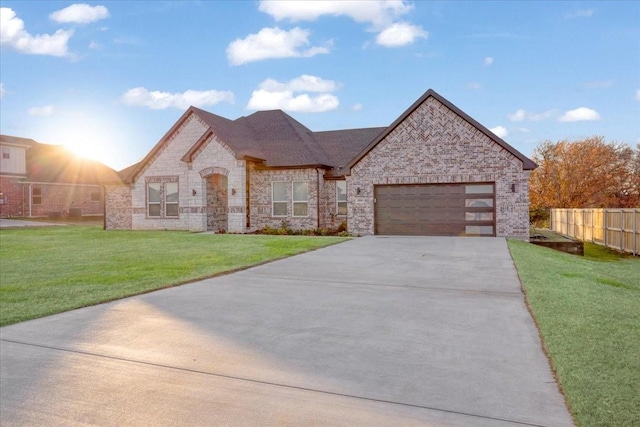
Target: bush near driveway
{"type": "Point", "coordinates": [588, 313]}
{"type": "Point", "coordinates": [53, 269]}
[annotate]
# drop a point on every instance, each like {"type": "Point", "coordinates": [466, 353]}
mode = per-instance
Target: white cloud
{"type": "Point", "coordinates": [638, 95]}
{"type": "Point", "coordinates": [2, 91]}
{"type": "Point", "coordinates": [579, 115]}
{"type": "Point", "coordinates": [13, 35]}
{"type": "Point", "coordinates": [378, 13]}
{"type": "Point", "coordinates": [47, 110]}
{"type": "Point", "coordinates": [272, 95]}
{"type": "Point", "coordinates": [157, 100]}
{"type": "Point", "coordinates": [488, 61]}
{"type": "Point", "coordinates": [357, 107]}
{"type": "Point", "coordinates": [94, 45]}
{"type": "Point", "coordinates": [400, 34]}
{"type": "Point", "coordinates": [79, 13]}
{"type": "Point", "coordinates": [474, 86]}
{"type": "Point", "coordinates": [382, 16]}
{"type": "Point", "coordinates": [304, 83]}
{"type": "Point", "coordinates": [272, 43]}
{"type": "Point", "coordinates": [521, 115]}
{"type": "Point", "coordinates": [500, 131]}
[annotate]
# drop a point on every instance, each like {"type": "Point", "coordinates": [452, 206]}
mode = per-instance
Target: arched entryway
{"type": "Point", "coordinates": [217, 202]}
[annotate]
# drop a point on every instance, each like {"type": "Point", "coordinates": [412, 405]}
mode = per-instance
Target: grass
{"type": "Point", "coordinates": [588, 312]}
{"type": "Point", "coordinates": [53, 269]}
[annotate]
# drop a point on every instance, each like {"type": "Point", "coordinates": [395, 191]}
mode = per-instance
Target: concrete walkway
{"type": "Point", "coordinates": [377, 331]}
{"type": "Point", "coordinates": [18, 223]}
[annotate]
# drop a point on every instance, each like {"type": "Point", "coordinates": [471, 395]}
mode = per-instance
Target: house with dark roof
{"type": "Point", "coordinates": [433, 171]}
{"type": "Point", "coordinates": [43, 180]}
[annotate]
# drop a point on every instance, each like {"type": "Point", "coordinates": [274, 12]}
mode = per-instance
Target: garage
{"type": "Point", "coordinates": [435, 209]}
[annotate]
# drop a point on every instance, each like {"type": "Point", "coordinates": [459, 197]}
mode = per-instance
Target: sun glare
{"type": "Point", "coordinates": [84, 150]}
{"type": "Point", "coordinates": [88, 136]}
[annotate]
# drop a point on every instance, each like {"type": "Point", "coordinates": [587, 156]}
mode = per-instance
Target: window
{"type": "Point", "coordinates": [95, 196]}
{"type": "Point", "coordinates": [153, 199]}
{"type": "Point", "coordinates": [171, 199]}
{"type": "Point", "coordinates": [341, 197]}
{"type": "Point", "coordinates": [279, 198]}
{"type": "Point", "coordinates": [479, 189]}
{"type": "Point", "coordinates": [36, 195]}
{"type": "Point", "coordinates": [300, 198]}
{"type": "Point", "coordinates": [6, 153]}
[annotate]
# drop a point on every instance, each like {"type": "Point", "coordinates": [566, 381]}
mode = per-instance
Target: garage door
{"type": "Point", "coordinates": [435, 210]}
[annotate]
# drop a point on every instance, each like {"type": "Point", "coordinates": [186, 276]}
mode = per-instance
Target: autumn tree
{"type": "Point", "coordinates": [585, 173]}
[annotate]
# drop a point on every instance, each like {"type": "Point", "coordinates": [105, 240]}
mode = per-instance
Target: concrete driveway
{"type": "Point", "coordinates": [375, 331]}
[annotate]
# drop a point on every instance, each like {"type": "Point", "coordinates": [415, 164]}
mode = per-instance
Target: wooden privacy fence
{"type": "Point", "coordinates": [615, 228]}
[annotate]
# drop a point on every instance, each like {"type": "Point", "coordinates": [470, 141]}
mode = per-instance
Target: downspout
{"type": "Point", "coordinates": [30, 199]}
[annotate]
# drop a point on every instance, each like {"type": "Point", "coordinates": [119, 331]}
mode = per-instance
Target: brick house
{"type": "Point", "coordinates": [433, 171]}
{"type": "Point", "coordinates": [42, 180]}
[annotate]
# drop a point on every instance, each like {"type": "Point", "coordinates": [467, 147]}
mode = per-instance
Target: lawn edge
{"type": "Point", "coordinates": [543, 343]}
{"type": "Point", "coordinates": [185, 282]}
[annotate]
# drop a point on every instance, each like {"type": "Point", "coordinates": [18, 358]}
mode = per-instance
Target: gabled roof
{"type": "Point", "coordinates": [275, 139]}
{"type": "Point", "coordinates": [272, 138]}
{"type": "Point", "coordinates": [527, 164]}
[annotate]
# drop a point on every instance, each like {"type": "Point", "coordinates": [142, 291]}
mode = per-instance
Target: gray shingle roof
{"type": "Point", "coordinates": [279, 140]}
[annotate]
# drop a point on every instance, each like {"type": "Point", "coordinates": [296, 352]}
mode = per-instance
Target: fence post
{"type": "Point", "coordinates": [622, 215]}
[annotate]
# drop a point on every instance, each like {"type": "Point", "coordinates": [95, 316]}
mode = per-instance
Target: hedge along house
{"type": "Point", "coordinates": [434, 171]}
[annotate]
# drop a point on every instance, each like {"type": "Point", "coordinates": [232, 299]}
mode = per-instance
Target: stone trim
{"type": "Point", "coordinates": [214, 170]}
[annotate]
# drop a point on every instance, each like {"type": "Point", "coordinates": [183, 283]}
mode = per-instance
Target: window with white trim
{"type": "Point", "coordinates": [300, 199]}
{"type": "Point", "coordinates": [171, 199]}
{"type": "Point", "coordinates": [279, 198]}
{"type": "Point", "coordinates": [341, 198]}
{"type": "Point", "coordinates": [153, 199]}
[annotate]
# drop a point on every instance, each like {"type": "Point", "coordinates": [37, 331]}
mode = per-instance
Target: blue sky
{"type": "Point", "coordinates": [109, 79]}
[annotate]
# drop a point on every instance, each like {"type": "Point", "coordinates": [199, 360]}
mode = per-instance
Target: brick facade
{"type": "Point", "coordinates": [433, 142]}
{"type": "Point", "coordinates": [213, 159]}
{"type": "Point", "coordinates": [118, 207]}
{"type": "Point", "coordinates": [12, 203]}
{"type": "Point", "coordinates": [25, 199]}
{"type": "Point", "coordinates": [435, 145]}
{"type": "Point", "coordinates": [260, 197]}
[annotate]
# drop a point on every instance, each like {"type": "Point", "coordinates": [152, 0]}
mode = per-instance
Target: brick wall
{"type": "Point", "coordinates": [55, 199]}
{"type": "Point", "coordinates": [62, 199]}
{"type": "Point", "coordinates": [12, 199]}
{"type": "Point", "coordinates": [435, 145]}
{"type": "Point", "coordinates": [118, 207]}
{"type": "Point", "coordinates": [261, 209]}
{"type": "Point", "coordinates": [328, 207]}
{"type": "Point", "coordinates": [213, 158]}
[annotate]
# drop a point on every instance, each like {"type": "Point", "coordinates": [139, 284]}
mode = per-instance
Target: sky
{"type": "Point", "coordinates": [108, 79]}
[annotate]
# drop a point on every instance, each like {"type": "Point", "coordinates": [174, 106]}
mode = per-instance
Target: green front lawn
{"type": "Point", "coordinates": [588, 313]}
{"type": "Point", "coordinates": [49, 270]}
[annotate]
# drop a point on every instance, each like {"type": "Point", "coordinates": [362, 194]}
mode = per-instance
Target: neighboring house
{"type": "Point", "coordinates": [434, 171]}
{"type": "Point", "coordinates": [41, 180]}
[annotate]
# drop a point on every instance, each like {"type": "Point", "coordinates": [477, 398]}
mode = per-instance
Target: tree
{"type": "Point", "coordinates": [585, 173]}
